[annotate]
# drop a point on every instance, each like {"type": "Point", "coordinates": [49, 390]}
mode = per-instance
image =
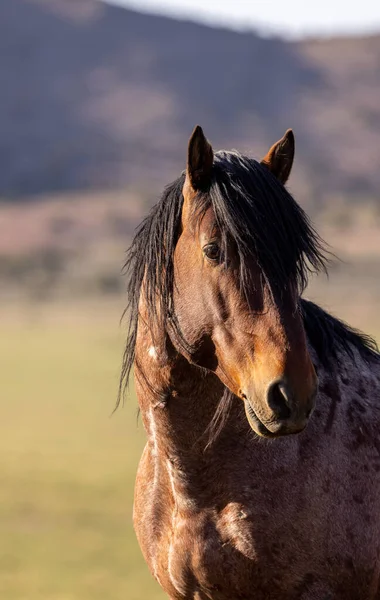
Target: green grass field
{"type": "Point", "coordinates": [67, 467]}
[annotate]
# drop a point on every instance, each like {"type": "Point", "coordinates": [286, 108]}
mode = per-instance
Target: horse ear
{"type": "Point", "coordinates": [279, 159]}
{"type": "Point", "coordinates": [199, 160]}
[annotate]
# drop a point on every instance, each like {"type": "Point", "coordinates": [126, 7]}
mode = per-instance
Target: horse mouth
{"type": "Point", "coordinates": [278, 429]}
{"type": "Point", "coordinates": [255, 423]}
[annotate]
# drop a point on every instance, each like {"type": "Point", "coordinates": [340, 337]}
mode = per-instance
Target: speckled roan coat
{"type": "Point", "coordinates": [294, 517]}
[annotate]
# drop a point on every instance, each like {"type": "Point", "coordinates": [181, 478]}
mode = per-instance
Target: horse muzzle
{"type": "Point", "coordinates": [281, 414]}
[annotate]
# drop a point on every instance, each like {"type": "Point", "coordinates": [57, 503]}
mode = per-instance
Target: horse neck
{"type": "Point", "coordinates": [178, 401]}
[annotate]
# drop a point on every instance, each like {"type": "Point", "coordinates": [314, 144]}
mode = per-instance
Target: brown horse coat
{"type": "Point", "coordinates": [223, 513]}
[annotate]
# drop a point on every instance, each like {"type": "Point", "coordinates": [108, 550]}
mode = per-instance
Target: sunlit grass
{"type": "Point", "coordinates": [67, 466]}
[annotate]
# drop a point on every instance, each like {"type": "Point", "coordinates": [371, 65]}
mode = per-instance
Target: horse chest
{"type": "Point", "coordinates": [279, 541]}
{"type": "Point", "coordinates": [192, 551]}
{"type": "Point", "coordinates": [234, 553]}
{"type": "Point", "coordinates": [230, 557]}
{"type": "Point", "coordinates": [210, 555]}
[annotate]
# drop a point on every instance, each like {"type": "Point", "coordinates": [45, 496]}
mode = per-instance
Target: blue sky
{"type": "Point", "coordinates": [291, 18]}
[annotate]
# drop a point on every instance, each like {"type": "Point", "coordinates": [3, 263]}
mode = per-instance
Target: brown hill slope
{"type": "Point", "coordinates": [100, 96]}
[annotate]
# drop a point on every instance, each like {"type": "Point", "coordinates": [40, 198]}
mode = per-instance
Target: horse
{"type": "Point", "coordinates": [260, 478]}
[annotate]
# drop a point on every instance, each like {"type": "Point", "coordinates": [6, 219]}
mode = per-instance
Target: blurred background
{"type": "Point", "coordinates": [97, 102]}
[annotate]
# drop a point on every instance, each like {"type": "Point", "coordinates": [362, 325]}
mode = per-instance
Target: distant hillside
{"type": "Point", "coordinates": [95, 96]}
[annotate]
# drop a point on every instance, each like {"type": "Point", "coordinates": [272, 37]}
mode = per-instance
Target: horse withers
{"type": "Point", "coordinates": [229, 359]}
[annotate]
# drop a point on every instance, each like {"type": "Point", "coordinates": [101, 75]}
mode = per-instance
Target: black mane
{"type": "Point", "coordinates": [253, 209]}
{"type": "Point", "coordinates": [330, 336]}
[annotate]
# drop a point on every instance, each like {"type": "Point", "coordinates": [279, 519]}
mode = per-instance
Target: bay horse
{"type": "Point", "coordinates": [235, 497]}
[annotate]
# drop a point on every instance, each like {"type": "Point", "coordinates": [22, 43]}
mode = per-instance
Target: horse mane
{"type": "Point", "coordinates": [254, 210]}
{"type": "Point", "coordinates": [330, 337]}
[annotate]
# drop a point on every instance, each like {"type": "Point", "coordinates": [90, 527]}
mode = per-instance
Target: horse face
{"type": "Point", "coordinates": [253, 341]}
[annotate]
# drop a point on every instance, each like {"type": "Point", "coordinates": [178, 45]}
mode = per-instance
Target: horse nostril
{"type": "Point", "coordinates": [279, 400]}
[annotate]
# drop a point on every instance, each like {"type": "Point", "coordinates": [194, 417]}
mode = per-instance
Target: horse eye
{"type": "Point", "coordinates": [212, 251]}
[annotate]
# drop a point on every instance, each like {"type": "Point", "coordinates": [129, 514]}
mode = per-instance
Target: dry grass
{"type": "Point", "coordinates": [67, 468]}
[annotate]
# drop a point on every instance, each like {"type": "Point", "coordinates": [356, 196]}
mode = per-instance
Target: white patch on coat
{"type": "Point", "coordinates": [153, 352]}
{"type": "Point", "coordinates": [154, 454]}
{"type": "Point", "coordinates": [153, 431]}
